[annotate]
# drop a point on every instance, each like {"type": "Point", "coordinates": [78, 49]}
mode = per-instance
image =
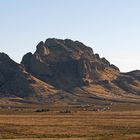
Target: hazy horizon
{"type": "Point", "coordinates": [111, 28]}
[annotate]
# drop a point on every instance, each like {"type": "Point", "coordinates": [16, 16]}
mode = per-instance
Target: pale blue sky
{"type": "Point", "coordinates": [110, 27]}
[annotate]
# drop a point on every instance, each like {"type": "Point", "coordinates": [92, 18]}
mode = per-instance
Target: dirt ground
{"type": "Point", "coordinates": [71, 124]}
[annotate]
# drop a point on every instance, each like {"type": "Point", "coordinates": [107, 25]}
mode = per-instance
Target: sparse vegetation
{"type": "Point", "coordinates": [42, 110]}
{"type": "Point", "coordinates": [71, 124]}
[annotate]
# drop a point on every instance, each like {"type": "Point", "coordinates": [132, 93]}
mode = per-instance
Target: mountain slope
{"type": "Point", "coordinates": [67, 64]}
{"type": "Point", "coordinates": [68, 72]}
{"type": "Point", "coordinates": [15, 81]}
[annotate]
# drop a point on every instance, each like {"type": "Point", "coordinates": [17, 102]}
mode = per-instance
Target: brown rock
{"type": "Point", "coordinates": [66, 71]}
{"type": "Point", "coordinates": [56, 61]}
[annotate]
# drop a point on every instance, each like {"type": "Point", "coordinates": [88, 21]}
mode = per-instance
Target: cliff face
{"type": "Point", "coordinates": [67, 64]}
{"type": "Point", "coordinates": [66, 71]}
{"type": "Point", "coordinates": [14, 80]}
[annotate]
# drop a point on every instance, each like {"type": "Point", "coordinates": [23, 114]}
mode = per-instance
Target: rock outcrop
{"type": "Point", "coordinates": [129, 82]}
{"type": "Point", "coordinates": [66, 71]}
{"type": "Point", "coordinates": [15, 81]}
{"type": "Point", "coordinates": [8, 68]}
{"type": "Point", "coordinates": [67, 64]}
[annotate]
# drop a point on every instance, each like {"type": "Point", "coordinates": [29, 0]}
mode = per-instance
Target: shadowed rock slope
{"type": "Point", "coordinates": [15, 81]}
{"type": "Point", "coordinates": [66, 71]}
{"type": "Point", "coordinates": [67, 64]}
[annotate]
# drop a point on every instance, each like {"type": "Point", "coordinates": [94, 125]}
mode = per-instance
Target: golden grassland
{"type": "Point", "coordinates": [76, 124]}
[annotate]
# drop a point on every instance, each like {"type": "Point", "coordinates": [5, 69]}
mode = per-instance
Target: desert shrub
{"type": "Point", "coordinates": [42, 110]}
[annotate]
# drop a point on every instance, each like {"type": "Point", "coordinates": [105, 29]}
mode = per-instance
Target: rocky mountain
{"type": "Point", "coordinates": [67, 64]}
{"type": "Point", "coordinates": [15, 81]}
{"type": "Point", "coordinates": [66, 71]}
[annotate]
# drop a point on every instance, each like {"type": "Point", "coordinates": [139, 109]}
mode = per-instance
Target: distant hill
{"type": "Point", "coordinates": [66, 72]}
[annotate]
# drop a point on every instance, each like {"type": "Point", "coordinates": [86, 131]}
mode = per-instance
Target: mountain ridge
{"type": "Point", "coordinates": [66, 71]}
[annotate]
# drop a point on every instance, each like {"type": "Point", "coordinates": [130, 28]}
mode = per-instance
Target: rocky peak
{"type": "Point", "coordinates": [26, 60]}
{"type": "Point", "coordinates": [135, 74]}
{"type": "Point", "coordinates": [64, 70]}
{"type": "Point", "coordinates": [52, 42]}
{"type": "Point", "coordinates": [8, 68]}
{"type": "Point", "coordinates": [4, 57]}
{"type": "Point", "coordinates": [42, 49]}
{"type": "Point", "coordinates": [66, 63]}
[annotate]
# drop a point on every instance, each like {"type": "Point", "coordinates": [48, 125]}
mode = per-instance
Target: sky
{"type": "Point", "coordinates": [110, 27]}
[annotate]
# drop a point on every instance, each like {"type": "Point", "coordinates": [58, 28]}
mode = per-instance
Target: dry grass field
{"type": "Point", "coordinates": [72, 124]}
